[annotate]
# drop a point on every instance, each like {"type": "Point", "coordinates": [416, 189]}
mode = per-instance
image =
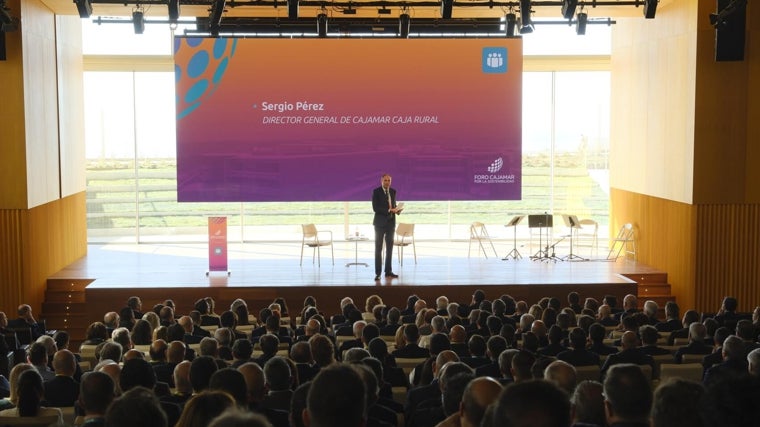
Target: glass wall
{"type": "Point", "coordinates": [131, 158]}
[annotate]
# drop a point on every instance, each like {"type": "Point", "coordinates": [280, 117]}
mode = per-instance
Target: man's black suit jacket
{"type": "Point", "coordinates": [61, 391]}
{"type": "Point", "coordinates": [383, 218]}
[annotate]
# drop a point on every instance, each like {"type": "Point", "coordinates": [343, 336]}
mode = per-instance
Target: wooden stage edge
{"type": "Point", "coordinates": [259, 273]}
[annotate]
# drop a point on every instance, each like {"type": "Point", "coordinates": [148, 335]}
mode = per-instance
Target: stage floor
{"type": "Point", "coordinates": [277, 265]}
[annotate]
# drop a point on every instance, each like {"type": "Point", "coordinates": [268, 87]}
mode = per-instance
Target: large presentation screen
{"type": "Point", "coordinates": [323, 119]}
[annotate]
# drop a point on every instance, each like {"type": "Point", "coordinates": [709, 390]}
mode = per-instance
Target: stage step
{"type": "Point", "coordinates": [65, 308]}
{"type": "Point", "coordinates": [64, 296]}
{"type": "Point", "coordinates": [74, 285]}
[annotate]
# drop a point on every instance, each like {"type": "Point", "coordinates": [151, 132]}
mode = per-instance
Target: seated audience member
{"type": "Point", "coordinates": [555, 345]}
{"type": "Point", "coordinates": [649, 337]}
{"type": "Point", "coordinates": [731, 402]}
{"type": "Point", "coordinates": [183, 389]}
{"type": "Point", "coordinates": [357, 329]}
{"type": "Point", "coordinates": [753, 362]}
{"type": "Point", "coordinates": [237, 418]}
{"type": "Point", "coordinates": [26, 320]}
{"type": "Point", "coordinates": [596, 334]}
{"type": "Point", "coordinates": [457, 338]}
{"type": "Point", "coordinates": [62, 390]}
{"type": "Point", "coordinates": [495, 346]}
{"type": "Point", "coordinates": [478, 395]}
{"type": "Point", "coordinates": [37, 356]}
{"type": "Point", "coordinates": [228, 319]}
{"type": "Point", "coordinates": [424, 405]}
{"type": "Point", "coordinates": [574, 302]}
{"type": "Point", "coordinates": [650, 311]}
{"type": "Point", "coordinates": [377, 415]}
{"type": "Point", "coordinates": [630, 353]}
{"type": "Point", "coordinates": [141, 333]}
{"type": "Point", "coordinates": [630, 307]}
{"type": "Point", "coordinates": [696, 342]}
{"type": "Point", "coordinates": [578, 355]}
{"type": "Point", "coordinates": [394, 321]}
{"type": "Point", "coordinates": [411, 349]}
{"type": "Point", "coordinates": [127, 318]}
{"type": "Point", "coordinates": [269, 345]}
{"type": "Point", "coordinates": [587, 405]}
{"type": "Point", "coordinates": [522, 363]}
{"type": "Point", "coordinates": [241, 352]}
{"type": "Point", "coordinates": [727, 315]}
{"type": "Point", "coordinates": [604, 316]}
{"type": "Point", "coordinates": [323, 351]}
{"type": "Point", "coordinates": [12, 399]}
{"type": "Point", "coordinates": [562, 374]}
{"type": "Point", "coordinates": [672, 320]}
{"type": "Point", "coordinates": [278, 380]}
{"type": "Point", "coordinates": [224, 337]}
{"type": "Point", "coordinates": [201, 370]}
{"type": "Point", "coordinates": [734, 362]}
{"type": "Point", "coordinates": [96, 394]}
{"type": "Point", "coordinates": [336, 398]}
{"type": "Point", "coordinates": [677, 404]}
{"type": "Point", "coordinates": [534, 403]}
{"type": "Point", "coordinates": [689, 317]}
{"type": "Point", "coordinates": [423, 373]}
{"type": "Point", "coordinates": [478, 349]}
{"type": "Point", "coordinates": [137, 407]}
{"type": "Point", "coordinates": [232, 382]}
{"type": "Point", "coordinates": [392, 374]}
{"type": "Point", "coordinates": [202, 408]}
{"type": "Point", "coordinates": [505, 365]}
{"type": "Point", "coordinates": [300, 353]}
{"type": "Point", "coordinates": [195, 315]}
{"type": "Point", "coordinates": [628, 396]}
{"type": "Point", "coordinates": [746, 331]}
{"type": "Point", "coordinates": [96, 333]}
{"type": "Point", "coordinates": [30, 393]}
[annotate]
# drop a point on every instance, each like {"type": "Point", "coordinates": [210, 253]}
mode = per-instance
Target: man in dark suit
{"type": "Point", "coordinates": [411, 350]}
{"type": "Point", "coordinates": [95, 397]}
{"type": "Point", "coordinates": [734, 362]}
{"type": "Point", "coordinates": [62, 390]}
{"type": "Point", "coordinates": [630, 354]}
{"type": "Point", "coordinates": [384, 206]}
{"type": "Point", "coordinates": [26, 320]}
{"type": "Point", "coordinates": [578, 355]}
{"type": "Point", "coordinates": [696, 343]}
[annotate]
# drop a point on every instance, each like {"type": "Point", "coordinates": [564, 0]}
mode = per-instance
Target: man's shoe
{"type": "Point", "coordinates": [377, 278]}
{"type": "Point", "coordinates": [391, 275]}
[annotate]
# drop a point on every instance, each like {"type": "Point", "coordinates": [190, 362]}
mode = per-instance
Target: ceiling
{"type": "Point", "coordinates": [364, 8]}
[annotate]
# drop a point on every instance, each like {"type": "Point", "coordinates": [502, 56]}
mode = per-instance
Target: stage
{"type": "Point", "coordinates": [259, 272]}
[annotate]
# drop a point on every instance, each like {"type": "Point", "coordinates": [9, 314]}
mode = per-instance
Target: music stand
{"type": "Point", "coordinates": [514, 253]}
{"type": "Point", "coordinates": [572, 222]}
{"type": "Point", "coordinates": [542, 221]}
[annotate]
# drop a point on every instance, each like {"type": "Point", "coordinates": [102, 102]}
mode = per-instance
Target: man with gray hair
{"type": "Point", "coordinates": [650, 309]}
{"type": "Point", "coordinates": [734, 362]}
{"type": "Point", "coordinates": [696, 344]}
{"type": "Point", "coordinates": [753, 359]}
{"type": "Point", "coordinates": [209, 347]}
{"type": "Point", "coordinates": [121, 336]}
{"type": "Point", "coordinates": [441, 305]}
{"type": "Point", "coordinates": [562, 374]}
{"type": "Point", "coordinates": [224, 337]}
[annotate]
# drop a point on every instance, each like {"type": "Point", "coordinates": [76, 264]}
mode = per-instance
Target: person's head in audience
{"type": "Point", "coordinates": [629, 340]}
{"type": "Point", "coordinates": [137, 407]}
{"type": "Point", "coordinates": [209, 347]}
{"type": "Point", "coordinates": [358, 327]}
{"type": "Point", "coordinates": [628, 395]}
{"type": "Point", "coordinates": [152, 318]}
{"type": "Point", "coordinates": [368, 332]}
{"type": "Point", "coordinates": [228, 319]}
{"type": "Point", "coordinates": [231, 381]}
{"type": "Point", "coordinates": [126, 317]}
{"type": "Point", "coordinates": [378, 313]}
{"type": "Point", "coordinates": [122, 336]}
{"type": "Point", "coordinates": [485, 305]}
{"type": "Point", "coordinates": [562, 374]}
{"type": "Point", "coordinates": [113, 370]}
{"type": "Point", "coordinates": [731, 402]}
{"type": "Point", "coordinates": [96, 392]}
{"type": "Point", "coordinates": [630, 302]}
{"type": "Point", "coordinates": [453, 387]}
{"type": "Point", "coordinates": [269, 344]}
{"type": "Point", "coordinates": [157, 351]}
{"type": "Point", "coordinates": [651, 308]}
{"type": "Point", "coordinates": [438, 343]}
{"type": "Point", "coordinates": [411, 334]}
{"type": "Point", "coordinates": [676, 403]}
{"type": "Point", "coordinates": [441, 302]}
{"type": "Point", "coordinates": [565, 320]}
{"type": "Point", "coordinates": [596, 333]}
{"type": "Point", "coordinates": [540, 365]}
{"type": "Point", "coordinates": [30, 393]}
{"type": "Point", "coordinates": [202, 408]}
{"type": "Point", "coordinates": [585, 321]}
{"type": "Point", "coordinates": [355, 354]}
{"type": "Point", "coordinates": [522, 362]}
{"type": "Point", "coordinates": [298, 405]}
{"type": "Point", "coordinates": [371, 385]}
{"type": "Point", "coordinates": [477, 396]}
{"type": "Point", "coordinates": [587, 403]}
{"type": "Point", "coordinates": [474, 315]}
{"type": "Point", "coordinates": [223, 336]}
{"type": "Point", "coordinates": [16, 372]}
{"type": "Point", "coordinates": [477, 346]}
{"type": "Point", "coordinates": [733, 348]}
{"type": "Point", "coordinates": [720, 336]}
{"type": "Point", "coordinates": [371, 302]}
{"type": "Point", "coordinates": [49, 344]}
{"type": "Point", "coordinates": [453, 310]}
{"type": "Point", "coordinates": [493, 324]}
{"type": "Point", "coordinates": [591, 304]}
{"type": "Point", "coordinates": [745, 330]}
{"type": "Point", "coordinates": [548, 317]}
{"type": "Point", "coordinates": [697, 332]}
{"type": "Point", "coordinates": [64, 363]}
{"type": "Point", "coordinates": [61, 339]}
{"type": "Point", "coordinates": [530, 342]}
{"type": "Point", "coordinates": [753, 362]}
{"type": "Point", "coordinates": [111, 319]}
{"type": "Point", "coordinates": [254, 381]}
{"type": "Point", "coordinates": [137, 372]}
{"type": "Point", "coordinates": [690, 317]}
{"type": "Point", "coordinates": [457, 334]}
{"type": "Point", "coordinates": [238, 418]}
{"type": "Point", "coordinates": [631, 322]}
{"type": "Point", "coordinates": [671, 310]}
{"type": "Point", "coordinates": [729, 305]}
{"type": "Point", "coordinates": [555, 334]}
{"type": "Point", "coordinates": [505, 362]}
{"type": "Point", "coordinates": [507, 332]}
{"type": "Point", "coordinates": [376, 366]}
{"type": "Point", "coordinates": [438, 324]}
{"type": "Point", "coordinates": [603, 312]}
{"type": "Point", "coordinates": [577, 339]}
{"type": "Point", "coordinates": [201, 370]}
{"type": "Point", "coordinates": [495, 346]}
{"type": "Point", "coordinates": [96, 332]}
{"type": "Point", "coordinates": [272, 324]}
{"type": "Point", "coordinates": [181, 377]}
{"type": "Point", "coordinates": [532, 403]}
{"type": "Point", "coordinates": [536, 311]}
{"type": "Point", "coordinates": [37, 354]}
{"type": "Point", "coordinates": [649, 335]}
{"type": "Point", "coordinates": [242, 349]}
{"type": "Point", "coordinates": [445, 358]}
{"type": "Point", "coordinates": [175, 352]}
{"type": "Point", "coordinates": [323, 350]}
{"type": "Point", "coordinates": [277, 374]}
{"type": "Point", "coordinates": [526, 320]}
{"type": "Point", "coordinates": [573, 299]}
{"type": "Point", "coordinates": [499, 308]}
{"type": "Point", "coordinates": [142, 333]}
{"type": "Point", "coordinates": [337, 397]}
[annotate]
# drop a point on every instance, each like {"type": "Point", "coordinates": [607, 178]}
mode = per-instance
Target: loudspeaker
{"type": "Point", "coordinates": [3, 53]}
{"type": "Point", "coordinates": [730, 33]}
{"type": "Point", "coordinates": [650, 9]}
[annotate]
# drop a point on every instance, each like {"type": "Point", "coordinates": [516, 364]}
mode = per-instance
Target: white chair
{"type": "Point", "coordinates": [587, 235]}
{"type": "Point", "coordinates": [311, 238]}
{"type": "Point", "coordinates": [405, 237]}
{"type": "Point", "coordinates": [479, 232]}
{"type": "Point", "coordinates": [624, 242]}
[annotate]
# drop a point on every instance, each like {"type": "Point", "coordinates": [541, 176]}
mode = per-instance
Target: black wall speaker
{"type": "Point", "coordinates": [3, 53]}
{"type": "Point", "coordinates": [730, 32]}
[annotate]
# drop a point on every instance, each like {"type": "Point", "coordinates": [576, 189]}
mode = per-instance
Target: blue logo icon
{"type": "Point", "coordinates": [494, 60]}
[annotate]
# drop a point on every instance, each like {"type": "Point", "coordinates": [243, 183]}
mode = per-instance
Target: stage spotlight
{"type": "Point", "coordinates": [511, 24]}
{"type": "Point", "coordinates": [292, 9]}
{"type": "Point", "coordinates": [524, 27]}
{"type": "Point", "coordinates": [650, 8]}
{"type": "Point", "coordinates": [138, 20]}
{"type": "Point", "coordinates": [447, 7]}
{"type": "Point", "coordinates": [525, 12]}
{"type": "Point", "coordinates": [568, 8]}
{"type": "Point", "coordinates": [84, 7]}
{"type": "Point", "coordinates": [403, 25]}
{"type": "Point", "coordinates": [580, 27]}
{"type": "Point", "coordinates": [173, 11]}
{"type": "Point", "coordinates": [322, 25]}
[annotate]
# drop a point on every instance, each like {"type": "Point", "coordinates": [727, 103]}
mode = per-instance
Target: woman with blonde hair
{"type": "Point", "coordinates": [29, 395]}
{"type": "Point", "coordinates": [371, 302]}
{"type": "Point", "coordinates": [203, 407]}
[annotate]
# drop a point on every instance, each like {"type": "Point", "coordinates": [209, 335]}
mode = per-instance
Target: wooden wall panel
{"type": "Point", "coordinates": [13, 223]}
{"type": "Point", "coordinates": [652, 103]}
{"type": "Point", "coordinates": [665, 233]}
{"type": "Point", "coordinates": [728, 255]}
{"type": "Point", "coordinates": [36, 243]}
